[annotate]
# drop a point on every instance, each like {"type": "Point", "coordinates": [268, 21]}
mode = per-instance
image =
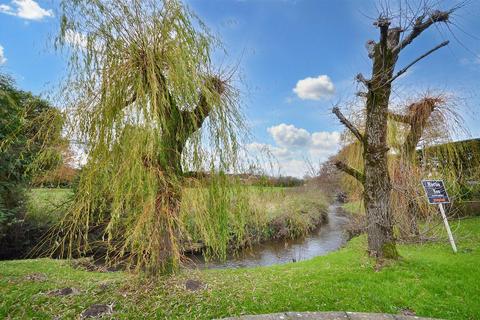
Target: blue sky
{"type": "Point", "coordinates": [297, 59]}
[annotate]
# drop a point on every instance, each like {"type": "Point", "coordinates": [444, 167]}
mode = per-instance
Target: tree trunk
{"type": "Point", "coordinates": [412, 209]}
{"type": "Point", "coordinates": [381, 240]}
{"type": "Point", "coordinates": [178, 127]}
{"type": "Point", "coordinates": [168, 210]}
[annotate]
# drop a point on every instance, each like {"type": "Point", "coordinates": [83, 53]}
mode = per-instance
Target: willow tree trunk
{"type": "Point", "coordinates": [377, 186]}
{"type": "Point", "coordinates": [177, 127]}
{"type": "Point", "coordinates": [167, 204]}
{"type": "Point", "coordinates": [407, 165]}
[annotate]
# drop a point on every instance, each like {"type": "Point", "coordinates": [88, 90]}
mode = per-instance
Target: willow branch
{"type": "Point", "coordinates": [351, 171]}
{"type": "Point", "coordinates": [402, 71]}
{"type": "Point", "coordinates": [347, 123]}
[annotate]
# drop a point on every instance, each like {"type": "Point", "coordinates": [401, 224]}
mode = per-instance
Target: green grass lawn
{"type": "Point", "coordinates": [429, 279]}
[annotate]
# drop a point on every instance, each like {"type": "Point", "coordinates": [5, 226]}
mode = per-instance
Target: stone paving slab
{"type": "Point", "coordinates": [327, 316]}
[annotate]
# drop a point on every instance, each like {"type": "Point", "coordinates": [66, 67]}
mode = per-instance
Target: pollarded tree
{"type": "Point", "coordinates": [420, 137]}
{"type": "Point", "coordinates": [375, 177]}
{"type": "Point", "coordinates": [144, 102]}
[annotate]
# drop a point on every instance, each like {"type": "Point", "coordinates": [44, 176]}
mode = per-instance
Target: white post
{"type": "Point", "coordinates": [447, 226]}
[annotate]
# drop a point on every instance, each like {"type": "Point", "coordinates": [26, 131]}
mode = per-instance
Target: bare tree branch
{"type": "Point", "coordinates": [351, 171]}
{"type": "Point", "coordinates": [402, 71]}
{"type": "Point", "coordinates": [347, 123]}
{"type": "Point", "coordinates": [421, 25]}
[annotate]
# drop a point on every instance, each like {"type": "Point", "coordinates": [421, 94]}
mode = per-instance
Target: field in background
{"type": "Point", "coordinates": [47, 205]}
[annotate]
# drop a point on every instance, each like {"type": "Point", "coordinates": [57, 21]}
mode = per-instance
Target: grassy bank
{"type": "Point", "coordinates": [429, 280]}
{"type": "Point", "coordinates": [45, 204]}
{"type": "Point", "coordinates": [254, 214]}
{"type": "Point", "coordinates": [354, 208]}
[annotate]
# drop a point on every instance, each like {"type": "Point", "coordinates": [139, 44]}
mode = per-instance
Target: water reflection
{"type": "Point", "coordinates": [329, 237]}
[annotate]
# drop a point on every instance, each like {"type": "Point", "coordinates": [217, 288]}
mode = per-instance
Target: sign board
{"type": "Point", "coordinates": [435, 190]}
{"type": "Point", "coordinates": [436, 194]}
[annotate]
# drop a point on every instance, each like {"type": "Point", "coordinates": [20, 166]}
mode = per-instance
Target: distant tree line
{"type": "Point", "coordinates": [254, 179]}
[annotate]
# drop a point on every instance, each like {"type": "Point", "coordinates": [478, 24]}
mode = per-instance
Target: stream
{"type": "Point", "coordinates": [328, 237]}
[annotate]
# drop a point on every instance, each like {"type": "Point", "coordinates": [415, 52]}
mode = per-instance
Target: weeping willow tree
{"type": "Point", "coordinates": [431, 121]}
{"type": "Point", "coordinates": [144, 102]}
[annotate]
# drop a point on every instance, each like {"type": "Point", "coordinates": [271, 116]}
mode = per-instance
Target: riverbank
{"type": "Point", "coordinates": [428, 280]}
{"type": "Point", "coordinates": [254, 215]}
{"type": "Point", "coordinates": [329, 235]}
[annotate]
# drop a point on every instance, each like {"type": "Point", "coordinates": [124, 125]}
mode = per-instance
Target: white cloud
{"type": "Point", "coordinates": [289, 136]}
{"type": "Point", "coordinates": [293, 146]}
{"type": "Point", "coordinates": [294, 167]}
{"type": "Point", "coordinates": [314, 88]}
{"type": "Point", "coordinates": [2, 56]}
{"type": "Point", "coordinates": [26, 9]}
{"type": "Point", "coordinates": [325, 140]}
{"type": "Point", "coordinates": [475, 60]}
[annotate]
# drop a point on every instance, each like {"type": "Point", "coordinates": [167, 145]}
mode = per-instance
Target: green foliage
{"type": "Point", "coordinates": [456, 162]}
{"type": "Point", "coordinates": [25, 142]}
{"type": "Point", "coordinates": [429, 279]}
